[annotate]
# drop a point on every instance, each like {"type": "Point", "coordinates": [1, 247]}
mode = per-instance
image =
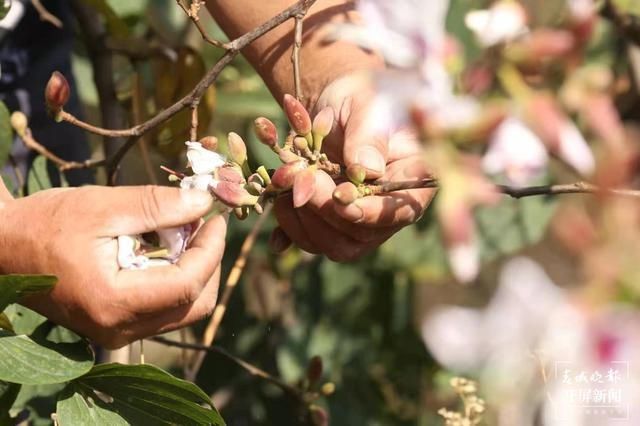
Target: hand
{"type": "Point", "coordinates": [344, 233]}
{"type": "Point", "coordinates": [70, 233]}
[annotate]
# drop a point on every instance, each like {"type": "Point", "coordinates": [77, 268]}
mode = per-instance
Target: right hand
{"type": "Point", "coordinates": [71, 233]}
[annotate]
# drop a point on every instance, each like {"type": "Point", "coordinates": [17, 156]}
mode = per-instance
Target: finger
{"type": "Point", "coordinates": [291, 225]}
{"type": "Point", "coordinates": [335, 245]}
{"type": "Point", "coordinates": [399, 208]}
{"type": "Point", "coordinates": [159, 288]}
{"type": "Point", "coordinates": [362, 145]}
{"type": "Point", "coordinates": [142, 209]}
{"type": "Point", "coordinates": [322, 204]}
{"type": "Point", "coordinates": [182, 316]}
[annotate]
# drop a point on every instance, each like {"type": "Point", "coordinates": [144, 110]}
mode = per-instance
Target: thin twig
{"type": "Point", "coordinates": [45, 15]}
{"type": "Point", "coordinates": [512, 191]}
{"type": "Point", "coordinates": [232, 280]}
{"type": "Point", "coordinates": [295, 55]}
{"type": "Point", "coordinates": [198, 91]}
{"type": "Point", "coordinates": [63, 165]}
{"type": "Point", "coordinates": [139, 113]}
{"type": "Point", "coordinates": [193, 13]}
{"type": "Point", "coordinates": [250, 368]}
{"type": "Point", "coordinates": [193, 134]}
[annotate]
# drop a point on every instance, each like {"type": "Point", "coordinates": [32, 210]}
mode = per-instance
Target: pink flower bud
{"type": "Point", "coordinates": [304, 186]}
{"type": "Point", "coordinates": [297, 115]}
{"type": "Point", "coordinates": [209, 142]}
{"type": "Point", "coordinates": [237, 148]}
{"type": "Point", "coordinates": [322, 123]}
{"type": "Point", "coordinates": [314, 370]}
{"type": "Point", "coordinates": [346, 193]}
{"type": "Point", "coordinates": [57, 92]}
{"type": "Point", "coordinates": [285, 175]}
{"type": "Point", "coordinates": [356, 173]}
{"type": "Point", "coordinates": [233, 194]}
{"type": "Point", "coordinates": [266, 132]}
{"type": "Point", "coordinates": [287, 156]}
{"type": "Point", "coordinates": [319, 416]}
{"type": "Point", "coordinates": [230, 174]}
{"type": "Point", "coordinates": [279, 241]}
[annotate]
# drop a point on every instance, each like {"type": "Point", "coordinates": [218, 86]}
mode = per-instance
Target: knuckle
{"type": "Point", "coordinates": [150, 206]}
{"type": "Point", "coordinates": [190, 291]}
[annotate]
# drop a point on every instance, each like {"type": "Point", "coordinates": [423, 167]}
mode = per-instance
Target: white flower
{"type": "Point", "coordinates": [127, 257]}
{"type": "Point", "coordinates": [503, 21]}
{"type": "Point", "coordinates": [464, 259]}
{"type": "Point", "coordinates": [201, 182]}
{"type": "Point", "coordinates": [515, 151]}
{"type": "Point", "coordinates": [201, 160]}
{"type": "Point", "coordinates": [174, 240]}
{"type": "Point", "coordinates": [574, 149]}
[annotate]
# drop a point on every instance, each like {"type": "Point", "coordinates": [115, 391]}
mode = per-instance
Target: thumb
{"type": "Point", "coordinates": [5, 195]}
{"type": "Point", "coordinates": [148, 208]}
{"type": "Point", "coordinates": [362, 144]}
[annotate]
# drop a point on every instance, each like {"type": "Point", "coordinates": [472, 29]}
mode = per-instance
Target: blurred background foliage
{"type": "Point", "coordinates": [363, 319]}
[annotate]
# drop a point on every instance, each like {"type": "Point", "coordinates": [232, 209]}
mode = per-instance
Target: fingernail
{"type": "Point", "coordinates": [196, 198]}
{"type": "Point", "coordinates": [352, 212]}
{"type": "Point", "coordinates": [371, 159]}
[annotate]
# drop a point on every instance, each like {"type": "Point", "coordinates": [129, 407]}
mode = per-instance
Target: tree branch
{"type": "Point", "coordinates": [250, 368]}
{"type": "Point", "coordinates": [193, 12]}
{"type": "Point", "coordinates": [232, 280]}
{"type": "Point", "coordinates": [45, 15]}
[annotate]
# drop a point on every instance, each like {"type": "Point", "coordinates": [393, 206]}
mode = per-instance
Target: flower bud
{"type": "Point", "coordinates": [319, 416]}
{"type": "Point", "coordinates": [237, 149]}
{"type": "Point", "coordinates": [241, 213]}
{"type": "Point", "coordinates": [301, 144]}
{"type": "Point", "coordinates": [322, 124]}
{"type": "Point", "coordinates": [19, 122]}
{"type": "Point", "coordinates": [328, 389]}
{"type": "Point", "coordinates": [256, 178]}
{"type": "Point", "coordinates": [209, 142]}
{"type": "Point", "coordinates": [57, 92]}
{"type": "Point", "coordinates": [287, 156]}
{"type": "Point", "coordinates": [230, 174]}
{"type": "Point", "coordinates": [356, 173]}
{"type": "Point", "coordinates": [279, 241]}
{"type": "Point", "coordinates": [314, 370]}
{"type": "Point", "coordinates": [266, 132]}
{"type": "Point", "coordinates": [233, 194]}
{"type": "Point", "coordinates": [285, 175]}
{"type": "Point", "coordinates": [346, 193]}
{"type": "Point", "coordinates": [254, 188]}
{"type": "Point", "coordinates": [297, 115]}
{"type": "Point", "coordinates": [304, 186]}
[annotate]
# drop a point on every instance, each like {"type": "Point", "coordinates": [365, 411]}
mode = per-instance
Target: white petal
{"type": "Point", "coordinates": [517, 152]}
{"type": "Point", "coordinates": [174, 240]}
{"type": "Point", "coordinates": [574, 149]}
{"type": "Point", "coordinates": [504, 21]}
{"type": "Point", "coordinates": [127, 258]}
{"type": "Point", "coordinates": [464, 259]}
{"type": "Point", "coordinates": [454, 338]}
{"type": "Point", "coordinates": [201, 160]}
{"type": "Point", "coordinates": [200, 182]}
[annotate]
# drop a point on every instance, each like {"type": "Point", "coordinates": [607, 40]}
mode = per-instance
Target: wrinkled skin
{"type": "Point", "coordinates": [70, 233]}
{"type": "Point", "coordinates": [345, 233]}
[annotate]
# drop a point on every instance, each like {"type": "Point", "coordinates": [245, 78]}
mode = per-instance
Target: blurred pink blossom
{"type": "Point", "coordinates": [515, 151]}
{"type": "Point", "coordinates": [505, 20]}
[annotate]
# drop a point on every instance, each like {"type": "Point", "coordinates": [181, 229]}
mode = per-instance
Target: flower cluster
{"type": "Point", "coordinates": [497, 99]}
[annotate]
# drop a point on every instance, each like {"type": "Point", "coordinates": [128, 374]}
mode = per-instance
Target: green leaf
{"type": "Point", "coordinates": [26, 361]}
{"type": "Point", "coordinates": [627, 7]}
{"type": "Point", "coordinates": [512, 225]}
{"type": "Point", "coordinates": [38, 179]}
{"type": "Point", "coordinates": [134, 394]}
{"type": "Point", "coordinates": [8, 394]}
{"type": "Point", "coordinates": [115, 25]}
{"type": "Point", "coordinates": [14, 287]}
{"type": "Point", "coordinates": [6, 134]}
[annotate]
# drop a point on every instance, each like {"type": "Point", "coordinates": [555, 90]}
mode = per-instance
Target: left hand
{"type": "Point", "coordinates": [345, 233]}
